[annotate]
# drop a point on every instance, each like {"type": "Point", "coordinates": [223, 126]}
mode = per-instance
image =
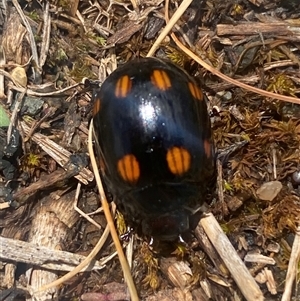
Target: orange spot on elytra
{"type": "Point", "coordinates": [128, 168]}
{"type": "Point", "coordinates": [179, 160]}
{"type": "Point", "coordinates": [97, 106]}
{"type": "Point", "coordinates": [196, 92]}
{"type": "Point", "coordinates": [123, 86]}
{"type": "Point", "coordinates": [102, 165]}
{"type": "Point", "coordinates": [207, 148]}
{"type": "Point", "coordinates": [161, 80]}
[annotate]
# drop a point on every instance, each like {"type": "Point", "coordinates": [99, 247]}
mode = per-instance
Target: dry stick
{"type": "Point", "coordinates": [231, 80]}
{"type": "Point", "coordinates": [29, 31]}
{"type": "Point", "coordinates": [14, 114]}
{"type": "Point", "coordinates": [110, 222]}
{"type": "Point", "coordinates": [29, 92]}
{"type": "Point", "coordinates": [220, 187]}
{"type": "Point", "coordinates": [2, 63]}
{"type": "Point", "coordinates": [73, 7]}
{"type": "Point", "coordinates": [44, 257]}
{"type": "Point", "coordinates": [179, 12]}
{"type": "Point", "coordinates": [49, 226]}
{"type": "Point", "coordinates": [134, 4]}
{"type": "Point", "coordinates": [214, 71]}
{"type": "Point", "coordinates": [247, 28]}
{"type": "Point", "coordinates": [58, 153]}
{"type": "Point", "coordinates": [46, 35]}
{"type": "Point", "coordinates": [81, 266]}
{"type": "Point", "coordinates": [4, 205]}
{"type": "Point", "coordinates": [292, 267]}
{"type": "Point", "coordinates": [233, 262]}
{"type": "Point", "coordinates": [84, 214]}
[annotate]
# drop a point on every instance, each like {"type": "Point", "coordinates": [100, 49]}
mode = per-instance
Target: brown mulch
{"type": "Point", "coordinates": [53, 53]}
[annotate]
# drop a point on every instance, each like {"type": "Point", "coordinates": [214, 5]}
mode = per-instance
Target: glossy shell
{"type": "Point", "coordinates": [153, 137]}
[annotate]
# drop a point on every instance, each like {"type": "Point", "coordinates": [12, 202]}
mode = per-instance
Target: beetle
{"type": "Point", "coordinates": [154, 143]}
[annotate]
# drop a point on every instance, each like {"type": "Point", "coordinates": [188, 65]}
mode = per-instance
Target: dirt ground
{"type": "Point", "coordinates": [245, 54]}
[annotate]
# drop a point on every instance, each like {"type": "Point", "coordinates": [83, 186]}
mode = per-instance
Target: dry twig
{"type": "Point", "coordinates": [44, 257]}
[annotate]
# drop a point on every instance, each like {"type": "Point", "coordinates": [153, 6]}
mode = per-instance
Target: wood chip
{"type": "Point", "coordinates": [258, 258]}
